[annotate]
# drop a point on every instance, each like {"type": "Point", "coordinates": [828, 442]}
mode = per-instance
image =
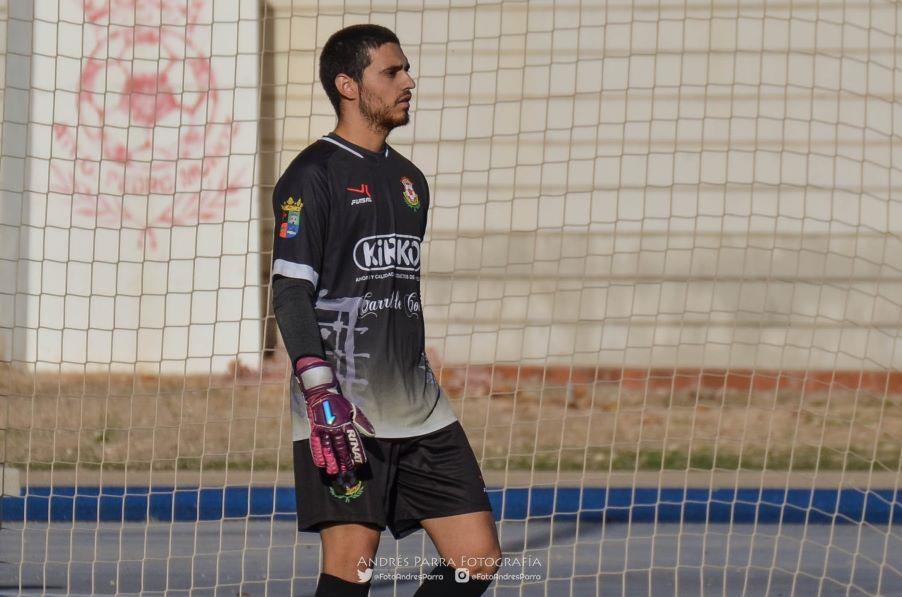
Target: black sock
{"type": "Point", "coordinates": [443, 584]}
{"type": "Point", "coordinates": [332, 586]}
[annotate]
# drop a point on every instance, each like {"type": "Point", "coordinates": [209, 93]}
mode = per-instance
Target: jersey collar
{"type": "Point", "coordinates": [360, 152]}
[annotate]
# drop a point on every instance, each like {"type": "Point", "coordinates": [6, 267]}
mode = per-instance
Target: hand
{"type": "Point", "coordinates": [335, 423]}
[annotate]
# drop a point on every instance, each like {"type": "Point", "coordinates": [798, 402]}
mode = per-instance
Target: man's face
{"type": "Point", "coordinates": [385, 88]}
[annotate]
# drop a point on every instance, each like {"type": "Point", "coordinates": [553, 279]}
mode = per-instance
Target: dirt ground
{"type": "Point", "coordinates": [517, 418]}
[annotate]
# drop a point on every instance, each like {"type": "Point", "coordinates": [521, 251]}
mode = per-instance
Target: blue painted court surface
{"type": "Point", "coordinates": [257, 557]}
{"type": "Point", "coordinates": [618, 504]}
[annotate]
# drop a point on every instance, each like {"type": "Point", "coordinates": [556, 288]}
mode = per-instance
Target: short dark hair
{"type": "Point", "coordinates": [348, 52]}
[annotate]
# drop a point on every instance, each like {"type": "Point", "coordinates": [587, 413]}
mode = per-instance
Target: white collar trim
{"type": "Point", "coordinates": [342, 145]}
{"type": "Point", "coordinates": [346, 148]}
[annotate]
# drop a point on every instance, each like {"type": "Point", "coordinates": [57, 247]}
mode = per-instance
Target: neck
{"type": "Point", "coordinates": [358, 132]}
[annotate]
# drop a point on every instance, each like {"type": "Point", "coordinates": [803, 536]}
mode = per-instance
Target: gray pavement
{"type": "Point", "coordinates": [239, 557]}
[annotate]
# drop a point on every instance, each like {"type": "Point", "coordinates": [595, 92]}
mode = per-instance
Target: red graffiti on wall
{"type": "Point", "coordinates": [153, 141]}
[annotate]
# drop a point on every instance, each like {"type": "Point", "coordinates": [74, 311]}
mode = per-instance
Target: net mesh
{"type": "Point", "coordinates": [661, 287]}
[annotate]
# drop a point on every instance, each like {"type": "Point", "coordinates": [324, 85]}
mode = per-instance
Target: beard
{"type": "Point", "coordinates": [379, 115]}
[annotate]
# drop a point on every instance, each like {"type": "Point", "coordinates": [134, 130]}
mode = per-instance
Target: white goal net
{"type": "Point", "coordinates": [662, 285]}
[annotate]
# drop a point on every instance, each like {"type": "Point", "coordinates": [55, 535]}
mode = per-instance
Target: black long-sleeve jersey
{"type": "Point", "coordinates": [351, 222]}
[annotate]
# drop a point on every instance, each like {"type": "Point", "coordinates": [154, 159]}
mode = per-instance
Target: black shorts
{"type": "Point", "coordinates": [403, 482]}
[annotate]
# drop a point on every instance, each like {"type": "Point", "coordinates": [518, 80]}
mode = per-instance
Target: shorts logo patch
{"type": "Point", "coordinates": [410, 195]}
{"type": "Point", "coordinates": [291, 218]}
{"type": "Point", "coordinates": [346, 496]}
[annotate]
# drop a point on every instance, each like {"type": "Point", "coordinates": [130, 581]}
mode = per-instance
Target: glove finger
{"type": "Point", "coordinates": [316, 445]}
{"type": "Point", "coordinates": [329, 455]}
{"type": "Point", "coordinates": [362, 423]}
{"type": "Point", "coordinates": [316, 450]}
{"type": "Point", "coordinates": [355, 444]}
{"type": "Point", "coordinates": [342, 451]}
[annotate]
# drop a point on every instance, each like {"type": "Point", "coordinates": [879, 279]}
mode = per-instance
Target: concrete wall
{"type": "Point", "coordinates": [131, 213]}
{"type": "Point", "coordinates": [642, 183]}
{"type": "Point", "coordinates": [613, 184]}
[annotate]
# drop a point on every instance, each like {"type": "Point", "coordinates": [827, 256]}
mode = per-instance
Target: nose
{"type": "Point", "coordinates": [411, 83]}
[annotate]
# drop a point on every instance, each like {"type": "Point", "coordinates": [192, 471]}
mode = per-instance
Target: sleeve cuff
{"type": "Point", "coordinates": [299, 271]}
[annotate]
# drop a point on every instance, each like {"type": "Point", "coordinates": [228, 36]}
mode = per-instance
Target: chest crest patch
{"type": "Point", "coordinates": [410, 195]}
{"type": "Point", "coordinates": [291, 218]}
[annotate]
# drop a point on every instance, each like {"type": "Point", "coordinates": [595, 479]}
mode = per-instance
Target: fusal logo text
{"type": "Point", "coordinates": [388, 251]}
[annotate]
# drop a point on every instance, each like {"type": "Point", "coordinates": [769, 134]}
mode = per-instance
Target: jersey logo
{"type": "Point", "coordinates": [388, 252]}
{"type": "Point", "coordinates": [410, 195]}
{"type": "Point", "coordinates": [363, 190]}
{"type": "Point", "coordinates": [291, 218]}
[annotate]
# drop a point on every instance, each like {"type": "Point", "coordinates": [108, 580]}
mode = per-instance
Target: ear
{"type": "Point", "coordinates": [346, 86]}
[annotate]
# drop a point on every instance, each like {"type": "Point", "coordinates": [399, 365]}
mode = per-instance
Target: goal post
{"type": "Point", "coordinates": [662, 287]}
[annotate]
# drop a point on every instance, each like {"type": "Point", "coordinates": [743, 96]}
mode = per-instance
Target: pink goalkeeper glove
{"type": "Point", "coordinates": [334, 422]}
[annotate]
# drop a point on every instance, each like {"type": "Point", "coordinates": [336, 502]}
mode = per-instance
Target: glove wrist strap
{"type": "Point", "coordinates": [313, 372]}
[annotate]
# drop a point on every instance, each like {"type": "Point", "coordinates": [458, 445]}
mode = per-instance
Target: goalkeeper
{"type": "Point", "coordinates": [376, 443]}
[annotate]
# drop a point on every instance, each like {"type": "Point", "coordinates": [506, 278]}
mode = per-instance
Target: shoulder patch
{"type": "Point", "coordinates": [291, 218]}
